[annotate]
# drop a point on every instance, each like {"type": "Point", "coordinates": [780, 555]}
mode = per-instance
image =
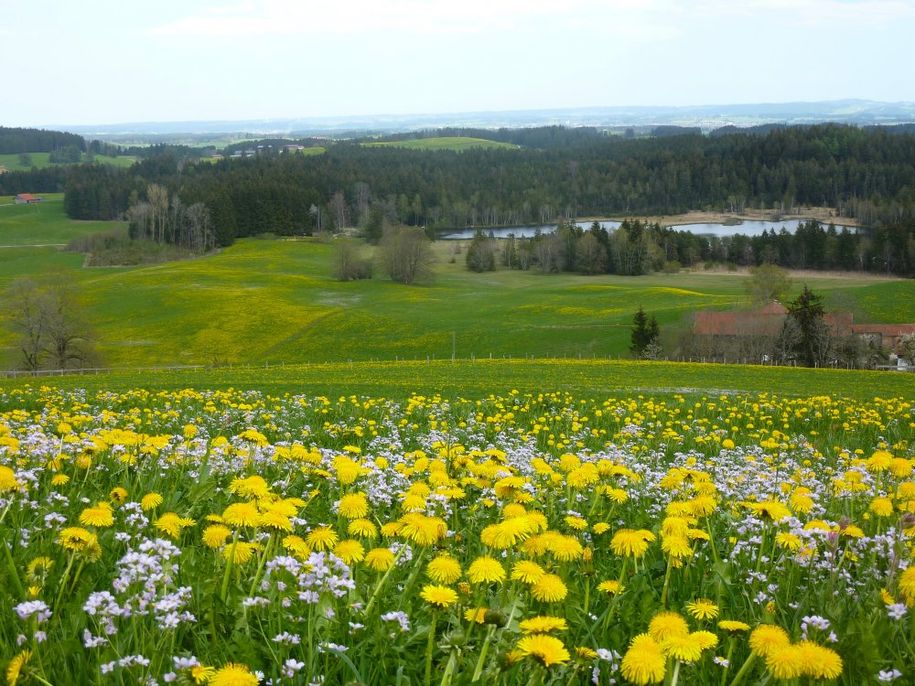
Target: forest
{"type": "Point", "coordinates": [867, 173]}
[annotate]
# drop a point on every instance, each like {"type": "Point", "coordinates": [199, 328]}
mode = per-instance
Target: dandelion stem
{"type": "Point", "coordinates": [478, 670]}
{"type": "Point", "coordinates": [430, 645]}
{"type": "Point", "coordinates": [744, 670]}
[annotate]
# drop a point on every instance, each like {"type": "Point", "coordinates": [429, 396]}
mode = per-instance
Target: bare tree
{"type": "Point", "coordinates": [49, 319]}
{"type": "Point", "coordinates": [24, 305]}
{"type": "Point", "coordinates": [406, 254]}
{"type": "Point", "coordinates": [349, 262]}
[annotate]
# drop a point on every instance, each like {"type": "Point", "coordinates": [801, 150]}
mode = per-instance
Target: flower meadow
{"type": "Point", "coordinates": [233, 538]}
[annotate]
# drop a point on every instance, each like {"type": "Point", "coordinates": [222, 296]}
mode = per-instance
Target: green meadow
{"type": "Point", "coordinates": [481, 378]}
{"type": "Point", "coordinates": [272, 301]}
{"type": "Point", "coordinates": [456, 143]}
{"type": "Point", "coordinates": [11, 162]}
{"type": "Point", "coordinates": [43, 223]}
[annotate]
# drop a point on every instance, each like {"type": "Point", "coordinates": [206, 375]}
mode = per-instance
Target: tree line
{"type": "Point", "coordinates": [638, 247]}
{"type": "Point", "coordinates": [16, 140]}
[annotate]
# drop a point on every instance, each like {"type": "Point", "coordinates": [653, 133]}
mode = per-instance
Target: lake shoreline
{"type": "Point", "coordinates": [824, 215]}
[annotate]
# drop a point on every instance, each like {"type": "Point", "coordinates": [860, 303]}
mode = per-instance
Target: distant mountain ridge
{"type": "Point", "coordinates": [706, 117]}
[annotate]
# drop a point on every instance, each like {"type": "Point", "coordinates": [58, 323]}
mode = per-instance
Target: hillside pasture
{"type": "Point", "coordinates": [453, 143]}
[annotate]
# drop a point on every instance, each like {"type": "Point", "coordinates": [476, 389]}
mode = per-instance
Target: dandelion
{"type": "Point", "coordinates": [233, 675]}
{"type": "Point", "coordinates": [439, 596]}
{"type": "Point", "coordinates": [486, 570]}
{"type": "Point", "coordinates": [172, 524]}
{"type": "Point", "coordinates": [610, 587]}
{"type": "Point", "coordinates": [353, 506]}
{"type": "Point", "coordinates": [786, 662]}
{"type": "Point", "coordinates": [8, 481]}
{"type": "Point", "coordinates": [350, 551]}
{"type": "Point", "coordinates": [631, 543]}
{"type": "Point", "coordinates": [768, 638]}
{"type": "Point", "coordinates": [15, 667]}
{"type": "Point", "coordinates": [322, 538]}
{"type": "Point", "coordinates": [241, 514]}
{"type": "Point", "coordinates": [907, 586]}
{"type": "Point", "coordinates": [527, 572]}
{"type": "Point", "coordinates": [444, 569]}
{"type": "Point", "coordinates": [216, 535]}
{"type": "Point", "coordinates": [819, 661]}
{"type": "Point", "coordinates": [667, 624]}
{"type": "Point", "coordinates": [547, 650]}
{"type": "Point", "coordinates": [150, 501]}
{"type": "Point", "coordinates": [362, 528]}
{"type": "Point", "coordinates": [644, 661]}
{"type": "Point", "coordinates": [99, 516]}
{"type": "Point", "coordinates": [702, 609]}
{"type": "Point", "coordinates": [542, 625]}
{"type": "Point", "coordinates": [379, 559]}
{"type": "Point", "coordinates": [549, 589]}
{"type": "Point", "coordinates": [732, 626]}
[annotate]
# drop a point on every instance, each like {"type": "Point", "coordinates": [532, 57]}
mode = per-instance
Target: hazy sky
{"type": "Point", "coordinates": [108, 61]}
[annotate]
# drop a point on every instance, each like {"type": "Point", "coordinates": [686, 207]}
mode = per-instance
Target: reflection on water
{"type": "Point", "coordinates": [749, 227]}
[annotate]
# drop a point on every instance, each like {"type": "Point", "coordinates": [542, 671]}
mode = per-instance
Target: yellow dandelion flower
{"type": "Point", "coordinates": [171, 524]}
{"type": "Point", "coordinates": [785, 662]}
{"type": "Point", "coordinates": [547, 650]}
{"type": "Point", "coordinates": [239, 552]}
{"type": "Point", "coordinates": [14, 668]}
{"type": "Point", "coordinates": [819, 661]}
{"type": "Point", "coordinates": [610, 587]}
{"type": "Point", "coordinates": [118, 494]}
{"type": "Point", "coordinates": [882, 507]}
{"type": "Point", "coordinates": [440, 596]}
{"type": "Point", "coordinates": [99, 516]}
{"type": "Point", "coordinates": [543, 624]}
{"type": "Point", "coordinates": [241, 514]}
{"type": "Point", "coordinates": [379, 559]}
{"type": "Point", "coordinates": [733, 626]}
{"type": "Point", "coordinates": [666, 624]}
{"type": "Point", "coordinates": [476, 615]}
{"type": "Point", "coordinates": [527, 571]}
{"type": "Point", "coordinates": [444, 569]}
{"type": "Point", "coordinates": [150, 501]}
{"type": "Point", "coordinates": [702, 609]}
{"type": "Point", "coordinates": [767, 638]}
{"type": "Point", "coordinates": [644, 661]}
{"type": "Point", "coordinates": [322, 538]}
{"type": "Point", "coordinates": [275, 520]}
{"type": "Point", "coordinates": [8, 481]}
{"type": "Point", "coordinates": [216, 535]}
{"type": "Point", "coordinates": [486, 570]}
{"type": "Point", "coordinates": [233, 675]}
{"type": "Point", "coordinates": [353, 506]}
{"type": "Point", "coordinates": [350, 551]}
{"type": "Point", "coordinates": [906, 586]}
{"type": "Point", "coordinates": [362, 528]}
{"type": "Point", "coordinates": [682, 647]}
{"type": "Point", "coordinates": [631, 542]}
{"type": "Point", "coordinates": [549, 588]}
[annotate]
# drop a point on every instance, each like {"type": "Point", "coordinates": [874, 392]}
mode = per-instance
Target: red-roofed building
{"type": "Point", "coordinates": [28, 199]}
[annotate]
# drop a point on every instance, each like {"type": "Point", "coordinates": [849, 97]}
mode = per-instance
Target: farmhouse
{"type": "Point", "coordinates": [28, 199]}
{"type": "Point", "coordinates": [751, 331]}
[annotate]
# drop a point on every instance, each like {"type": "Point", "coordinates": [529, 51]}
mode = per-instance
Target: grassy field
{"type": "Point", "coordinates": [42, 224]}
{"type": "Point", "coordinates": [480, 378]}
{"type": "Point", "coordinates": [273, 301]}
{"type": "Point", "coordinates": [457, 143]}
{"type": "Point", "coordinates": [11, 162]}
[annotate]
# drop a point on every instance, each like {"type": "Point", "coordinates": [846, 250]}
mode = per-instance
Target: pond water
{"type": "Point", "coordinates": [749, 227]}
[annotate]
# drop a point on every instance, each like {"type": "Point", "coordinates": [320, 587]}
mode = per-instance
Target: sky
{"type": "Point", "coordinates": [114, 61]}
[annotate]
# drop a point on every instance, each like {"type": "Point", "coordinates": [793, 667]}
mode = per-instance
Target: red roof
{"type": "Point", "coordinates": [26, 196]}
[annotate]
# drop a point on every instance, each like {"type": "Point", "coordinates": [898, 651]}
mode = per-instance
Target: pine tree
{"type": "Point", "coordinates": [645, 331]}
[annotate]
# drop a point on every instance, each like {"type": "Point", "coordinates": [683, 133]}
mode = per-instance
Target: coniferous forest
{"type": "Point", "coordinates": [555, 174]}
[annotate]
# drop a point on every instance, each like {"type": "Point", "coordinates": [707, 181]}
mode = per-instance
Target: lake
{"type": "Point", "coordinates": [749, 227]}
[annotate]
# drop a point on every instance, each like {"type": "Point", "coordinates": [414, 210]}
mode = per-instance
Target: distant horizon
{"type": "Point", "coordinates": [215, 60]}
{"type": "Point", "coordinates": [847, 110]}
{"type": "Point", "coordinates": [442, 113]}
